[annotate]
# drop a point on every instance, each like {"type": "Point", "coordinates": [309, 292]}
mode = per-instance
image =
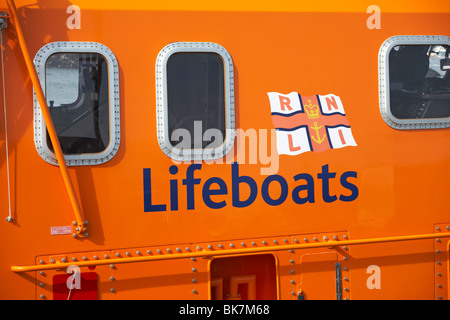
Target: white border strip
{"type": "Point", "coordinates": [114, 103]}
{"type": "Point", "coordinates": [162, 107]}
{"type": "Point", "coordinates": [383, 79]}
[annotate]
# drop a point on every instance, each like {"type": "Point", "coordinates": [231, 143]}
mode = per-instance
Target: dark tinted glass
{"type": "Point", "coordinates": [195, 87]}
{"type": "Point", "coordinates": [77, 96]}
{"type": "Point", "coordinates": [419, 81]}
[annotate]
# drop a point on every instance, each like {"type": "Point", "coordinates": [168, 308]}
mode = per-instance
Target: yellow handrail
{"type": "Point", "coordinates": [48, 121]}
{"type": "Point", "coordinates": [225, 252]}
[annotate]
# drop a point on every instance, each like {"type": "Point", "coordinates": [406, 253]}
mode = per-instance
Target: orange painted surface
{"type": "Point", "coordinates": [402, 176]}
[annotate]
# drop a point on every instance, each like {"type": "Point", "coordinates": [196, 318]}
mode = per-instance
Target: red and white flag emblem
{"type": "Point", "coordinates": [314, 123]}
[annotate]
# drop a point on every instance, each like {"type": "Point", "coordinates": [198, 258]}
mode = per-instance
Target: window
{"type": "Point", "coordinates": [81, 85]}
{"type": "Point", "coordinates": [195, 101]}
{"type": "Point", "coordinates": [415, 82]}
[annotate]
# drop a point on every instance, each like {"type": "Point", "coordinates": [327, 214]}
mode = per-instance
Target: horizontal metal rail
{"type": "Point", "coordinates": [225, 252]}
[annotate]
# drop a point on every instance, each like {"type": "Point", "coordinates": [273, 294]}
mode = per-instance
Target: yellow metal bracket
{"type": "Point", "coordinates": [80, 228]}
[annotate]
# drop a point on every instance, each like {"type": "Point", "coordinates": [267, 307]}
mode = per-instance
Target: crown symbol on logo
{"type": "Point", "coordinates": [312, 111]}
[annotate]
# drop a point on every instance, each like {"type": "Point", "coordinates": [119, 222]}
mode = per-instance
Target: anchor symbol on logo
{"type": "Point", "coordinates": [317, 139]}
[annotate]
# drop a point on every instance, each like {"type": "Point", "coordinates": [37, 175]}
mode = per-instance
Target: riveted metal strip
{"type": "Point", "coordinates": [441, 262]}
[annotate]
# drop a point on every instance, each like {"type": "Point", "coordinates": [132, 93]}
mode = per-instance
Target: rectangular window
{"type": "Point", "coordinates": [415, 82]}
{"type": "Point", "coordinates": [195, 89]}
{"type": "Point", "coordinates": [195, 97]}
{"type": "Point", "coordinates": [81, 88]}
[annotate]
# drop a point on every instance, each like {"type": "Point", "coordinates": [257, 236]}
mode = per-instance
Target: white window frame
{"type": "Point", "coordinates": [383, 77]}
{"type": "Point", "coordinates": [162, 104]}
{"type": "Point", "coordinates": [114, 103]}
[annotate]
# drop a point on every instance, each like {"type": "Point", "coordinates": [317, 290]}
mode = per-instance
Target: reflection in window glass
{"type": "Point", "coordinates": [62, 79]}
{"type": "Point", "coordinates": [196, 98]}
{"type": "Point", "coordinates": [419, 81]}
{"type": "Point", "coordinates": [77, 94]}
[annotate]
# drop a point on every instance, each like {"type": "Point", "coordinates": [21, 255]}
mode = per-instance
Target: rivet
{"type": "Point", "coordinates": [285, 240]}
{"type": "Point", "coordinates": [112, 290]}
{"type": "Point", "coordinates": [345, 236]}
{"type": "Point", "coordinates": [209, 246]}
{"type": "Point", "coordinates": [194, 281]}
{"type": "Point", "coordinates": [345, 248]}
{"type": "Point", "coordinates": [447, 227]}
{"type": "Point", "coordinates": [275, 241]}
{"type": "Point", "coordinates": [112, 278]}
{"type": "Point", "coordinates": [168, 250]}
{"type": "Point", "coordinates": [63, 259]}
{"type": "Point", "coordinates": [439, 286]}
{"type": "Point", "coordinates": [438, 240]}
{"type": "Point", "coordinates": [95, 257]}
{"type": "Point", "coordinates": [198, 247]}
{"type": "Point", "coordinates": [231, 245]}
{"type": "Point", "coordinates": [187, 249]}
{"type": "Point", "coordinates": [117, 254]}
{"type": "Point", "coordinates": [438, 262]}
{"type": "Point", "coordinates": [305, 239]}
{"type": "Point", "coordinates": [138, 252]}
{"type": "Point", "coordinates": [439, 297]}
{"type": "Point", "coordinates": [296, 240]}
{"type": "Point", "coordinates": [335, 237]}
{"type": "Point", "coordinates": [291, 261]}
{"type": "Point", "coordinates": [41, 261]}
{"type": "Point", "coordinates": [193, 269]}
{"type": "Point", "coordinates": [292, 271]}
{"type": "Point", "coordinates": [345, 268]}
{"type": "Point", "coordinates": [194, 291]}
{"type": "Point", "coordinates": [149, 252]}
{"type": "Point", "coordinates": [345, 258]}
{"type": "Point", "coordinates": [438, 251]}
{"type": "Point", "coordinates": [292, 281]}
{"type": "Point", "coordinates": [128, 253]}
{"type": "Point", "coordinates": [315, 238]}
{"type": "Point", "coordinates": [75, 235]}
{"type": "Point", "coordinates": [42, 296]}
{"type": "Point", "coordinates": [74, 259]}
{"type": "Point", "coordinates": [85, 258]}
{"type": "Point", "coordinates": [193, 259]}
{"type": "Point", "coordinates": [264, 242]}
{"type": "Point", "coordinates": [293, 293]}
{"type": "Point", "coordinates": [253, 243]}
{"type": "Point", "coordinates": [220, 245]}
{"type": "Point", "coordinates": [345, 289]}
{"type": "Point", "coordinates": [111, 266]}
{"type": "Point", "coordinates": [242, 244]}
{"type": "Point", "coordinates": [325, 238]}
{"type": "Point", "coordinates": [291, 251]}
{"type": "Point", "coordinates": [438, 229]}
{"type": "Point", "coordinates": [74, 223]}
{"type": "Point", "coordinates": [41, 284]}
{"type": "Point", "coordinates": [159, 250]}
{"type": "Point", "coordinates": [41, 273]}
{"type": "Point", "coordinates": [439, 274]}
{"type": "Point", "coordinates": [52, 260]}
{"type": "Point", "coordinates": [106, 256]}
{"type": "Point", "coordinates": [345, 278]}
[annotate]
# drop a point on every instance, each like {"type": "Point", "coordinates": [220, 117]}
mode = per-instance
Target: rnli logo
{"type": "Point", "coordinates": [314, 123]}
